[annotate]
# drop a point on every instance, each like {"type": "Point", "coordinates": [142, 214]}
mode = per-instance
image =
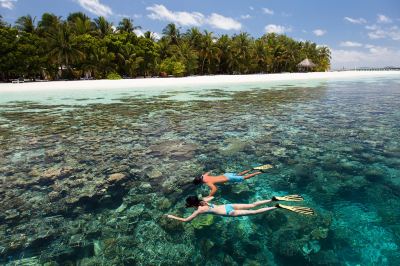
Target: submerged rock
{"type": "Point", "coordinates": [174, 149]}
{"type": "Point", "coordinates": [311, 247]}
{"type": "Point", "coordinates": [117, 177]}
{"type": "Point", "coordinates": [233, 146]}
{"type": "Point", "coordinates": [154, 173]}
{"type": "Point", "coordinates": [55, 173]}
{"type": "Point", "coordinates": [374, 174]}
{"type": "Point", "coordinates": [203, 221]}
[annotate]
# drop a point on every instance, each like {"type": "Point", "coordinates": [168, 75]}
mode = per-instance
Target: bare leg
{"type": "Point", "coordinates": [244, 172]}
{"type": "Point", "coordinates": [249, 206]}
{"type": "Point", "coordinates": [251, 175]}
{"type": "Point", "coordinates": [251, 212]}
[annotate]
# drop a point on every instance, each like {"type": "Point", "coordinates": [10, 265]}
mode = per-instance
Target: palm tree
{"type": "Point", "coordinates": [26, 23]}
{"type": "Point", "coordinates": [126, 25]}
{"type": "Point", "coordinates": [62, 48]}
{"type": "Point", "coordinates": [2, 22]}
{"type": "Point", "coordinates": [129, 59]}
{"type": "Point", "coordinates": [172, 33]}
{"type": "Point", "coordinates": [150, 35]}
{"type": "Point", "coordinates": [103, 27]}
{"type": "Point", "coordinates": [260, 55]}
{"type": "Point", "coordinates": [83, 26]}
{"type": "Point", "coordinates": [208, 51]}
{"type": "Point", "coordinates": [80, 23]}
{"type": "Point", "coordinates": [163, 48]}
{"type": "Point", "coordinates": [193, 36]}
{"type": "Point", "coordinates": [324, 56]}
{"type": "Point", "coordinates": [188, 56]}
{"type": "Point", "coordinates": [48, 23]}
{"type": "Point", "coordinates": [241, 52]}
{"type": "Point", "coordinates": [225, 55]}
{"type": "Point", "coordinates": [100, 62]}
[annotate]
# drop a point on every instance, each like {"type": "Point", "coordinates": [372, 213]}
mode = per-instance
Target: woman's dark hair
{"type": "Point", "coordinates": [198, 180]}
{"type": "Point", "coordinates": [193, 201]}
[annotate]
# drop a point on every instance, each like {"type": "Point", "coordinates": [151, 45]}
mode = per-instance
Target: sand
{"type": "Point", "coordinates": [193, 80]}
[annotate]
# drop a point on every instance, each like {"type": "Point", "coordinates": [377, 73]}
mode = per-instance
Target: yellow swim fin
{"type": "Point", "coordinates": [298, 209]}
{"type": "Point", "coordinates": [288, 198]}
{"type": "Point", "coordinates": [263, 167]}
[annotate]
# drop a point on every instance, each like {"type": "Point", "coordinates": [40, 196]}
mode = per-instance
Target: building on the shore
{"type": "Point", "coordinates": [305, 65]}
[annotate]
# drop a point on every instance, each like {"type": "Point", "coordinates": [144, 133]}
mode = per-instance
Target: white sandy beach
{"type": "Point", "coordinates": [194, 80]}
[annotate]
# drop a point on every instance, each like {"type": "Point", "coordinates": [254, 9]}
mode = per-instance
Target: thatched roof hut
{"type": "Point", "coordinates": [306, 64]}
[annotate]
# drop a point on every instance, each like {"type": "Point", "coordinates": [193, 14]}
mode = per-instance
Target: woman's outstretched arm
{"type": "Point", "coordinates": [187, 219]}
{"type": "Point", "coordinates": [208, 198]}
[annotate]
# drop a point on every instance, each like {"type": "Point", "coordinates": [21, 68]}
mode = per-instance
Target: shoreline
{"type": "Point", "coordinates": [188, 81]}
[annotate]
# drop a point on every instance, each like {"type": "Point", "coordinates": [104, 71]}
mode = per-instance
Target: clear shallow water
{"type": "Point", "coordinates": [88, 181]}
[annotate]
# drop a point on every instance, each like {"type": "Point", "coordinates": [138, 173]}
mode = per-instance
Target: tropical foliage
{"type": "Point", "coordinates": [77, 47]}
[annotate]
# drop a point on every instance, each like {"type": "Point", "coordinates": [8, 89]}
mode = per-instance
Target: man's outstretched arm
{"type": "Point", "coordinates": [213, 189]}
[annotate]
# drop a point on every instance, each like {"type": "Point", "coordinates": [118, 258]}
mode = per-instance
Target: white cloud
{"type": "Point", "coordinates": [272, 28]}
{"type": "Point", "coordinates": [9, 4]}
{"type": "Point", "coordinates": [350, 44]}
{"type": "Point", "coordinates": [323, 45]}
{"type": "Point", "coordinates": [156, 35]}
{"type": "Point", "coordinates": [376, 56]}
{"type": "Point", "coordinates": [251, 8]}
{"type": "Point", "coordinates": [319, 32]}
{"type": "Point", "coordinates": [268, 11]}
{"type": "Point", "coordinates": [138, 32]}
{"type": "Point", "coordinates": [128, 16]}
{"type": "Point", "coordinates": [160, 12]}
{"type": "Point", "coordinates": [95, 7]}
{"type": "Point", "coordinates": [377, 32]}
{"type": "Point", "coordinates": [394, 33]}
{"type": "Point", "coordinates": [371, 27]}
{"type": "Point", "coordinates": [284, 14]}
{"type": "Point", "coordinates": [247, 16]}
{"type": "Point", "coordinates": [355, 20]}
{"type": "Point", "coordinates": [383, 19]}
{"type": "Point", "coordinates": [224, 23]}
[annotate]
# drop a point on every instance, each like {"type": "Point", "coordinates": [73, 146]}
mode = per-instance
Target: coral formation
{"type": "Point", "coordinates": [88, 183]}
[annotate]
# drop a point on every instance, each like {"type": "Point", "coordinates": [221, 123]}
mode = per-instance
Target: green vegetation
{"type": "Point", "coordinates": [78, 47]}
{"type": "Point", "coordinates": [114, 76]}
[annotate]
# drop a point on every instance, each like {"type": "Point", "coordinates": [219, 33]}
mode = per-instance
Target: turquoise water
{"type": "Point", "coordinates": [86, 176]}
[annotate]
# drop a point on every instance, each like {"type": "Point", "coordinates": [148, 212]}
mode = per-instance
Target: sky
{"type": "Point", "coordinates": [360, 33]}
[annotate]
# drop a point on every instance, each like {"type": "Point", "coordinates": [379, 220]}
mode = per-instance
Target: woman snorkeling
{"type": "Point", "coordinates": [203, 206]}
{"type": "Point", "coordinates": [211, 180]}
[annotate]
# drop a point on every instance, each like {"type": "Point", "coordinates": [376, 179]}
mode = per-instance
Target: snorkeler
{"type": "Point", "coordinates": [238, 209]}
{"type": "Point", "coordinates": [210, 180]}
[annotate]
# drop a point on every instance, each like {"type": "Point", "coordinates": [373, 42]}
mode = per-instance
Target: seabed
{"type": "Point", "coordinates": [86, 178]}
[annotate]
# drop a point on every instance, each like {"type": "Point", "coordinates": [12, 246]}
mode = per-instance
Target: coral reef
{"type": "Point", "coordinates": [89, 183]}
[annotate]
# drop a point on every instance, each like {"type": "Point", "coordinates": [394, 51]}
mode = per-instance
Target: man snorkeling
{"type": "Point", "coordinates": [211, 180]}
{"type": "Point", "coordinates": [203, 206]}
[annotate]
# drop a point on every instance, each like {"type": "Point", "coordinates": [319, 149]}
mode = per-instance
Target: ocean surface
{"type": "Point", "coordinates": [86, 176]}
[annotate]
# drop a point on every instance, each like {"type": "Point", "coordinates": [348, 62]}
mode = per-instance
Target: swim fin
{"type": "Point", "coordinates": [288, 198]}
{"type": "Point", "coordinates": [298, 209]}
{"type": "Point", "coordinates": [264, 167]}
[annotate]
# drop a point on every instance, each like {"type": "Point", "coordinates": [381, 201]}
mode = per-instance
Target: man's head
{"type": "Point", "coordinates": [198, 180]}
